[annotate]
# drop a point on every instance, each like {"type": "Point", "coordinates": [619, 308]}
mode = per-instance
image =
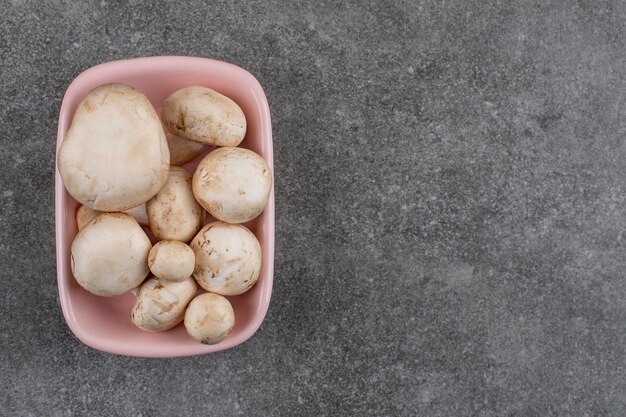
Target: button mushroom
{"type": "Point", "coordinates": [171, 260]}
{"type": "Point", "coordinates": [183, 150]}
{"type": "Point", "coordinates": [85, 214]}
{"type": "Point", "coordinates": [232, 184]}
{"type": "Point", "coordinates": [161, 304]}
{"type": "Point", "coordinates": [174, 213]}
{"type": "Point", "coordinates": [228, 258]}
{"type": "Point", "coordinates": [209, 318]}
{"type": "Point", "coordinates": [110, 255]}
{"type": "Point", "coordinates": [114, 155]}
{"type": "Point", "coordinates": [204, 115]}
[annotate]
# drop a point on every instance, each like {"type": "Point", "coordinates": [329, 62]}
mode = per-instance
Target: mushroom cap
{"type": "Point", "coordinates": [84, 215]}
{"type": "Point", "coordinates": [114, 155]}
{"type": "Point", "coordinates": [174, 213]}
{"type": "Point", "coordinates": [233, 184]}
{"type": "Point", "coordinates": [171, 260]}
{"type": "Point", "coordinates": [183, 150]}
{"type": "Point", "coordinates": [209, 318]}
{"type": "Point", "coordinates": [161, 304]}
{"type": "Point", "coordinates": [228, 258]}
{"type": "Point", "coordinates": [204, 115]}
{"type": "Point", "coordinates": [109, 256]}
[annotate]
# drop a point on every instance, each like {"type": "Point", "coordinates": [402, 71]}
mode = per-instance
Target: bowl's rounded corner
{"type": "Point", "coordinates": [81, 76]}
{"type": "Point", "coordinates": [83, 336]}
{"type": "Point", "coordinates": [255, 329]}
{"type": "Point", "coordinates": [247, 74]}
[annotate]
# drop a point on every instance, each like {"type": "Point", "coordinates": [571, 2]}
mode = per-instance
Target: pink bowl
{"type": "Point", "coordinates": [104, 323]}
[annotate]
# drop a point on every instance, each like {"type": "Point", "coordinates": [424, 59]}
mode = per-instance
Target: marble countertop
{"type": "Point", "coordinates": [450, 209]}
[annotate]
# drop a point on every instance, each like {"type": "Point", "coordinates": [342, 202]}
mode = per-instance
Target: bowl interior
{"type": "Point", "coordinates": [104, 322]}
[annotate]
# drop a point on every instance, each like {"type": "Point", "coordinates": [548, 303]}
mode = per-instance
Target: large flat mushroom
{"type": "Point", "coordinates": [114, 155]}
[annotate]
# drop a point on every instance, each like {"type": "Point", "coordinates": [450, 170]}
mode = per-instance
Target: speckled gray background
{"type": "Point", "coordinates": [450, 192]}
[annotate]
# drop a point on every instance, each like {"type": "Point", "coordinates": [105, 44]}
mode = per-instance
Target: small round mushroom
{"type": "Point", "coordinates": [161, 304]}
{"type": "Point", "coordinates": [183, 150]}
{"type": "Point", "coordinates": [174, 213]}
{"type": "Point", "coordinates": [85, 214]}
{"type": "Point", "coordinates": [171, 260]}
{"type": "Point", "coordinates": [233, 184]}
{"type": "Point", "coordinates": [228, 258]}
{"type": "Point", "coordinates": [204, 115]}
{"type": "Point", "coordinates": [209, 318]}
{"type": "Point", "coordinates": [114, 155]}
{"type": "Point", "coordinates": [110, 255]}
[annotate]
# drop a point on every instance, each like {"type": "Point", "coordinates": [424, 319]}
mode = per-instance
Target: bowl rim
{"type": "Point", "coordinates": [64, 119]}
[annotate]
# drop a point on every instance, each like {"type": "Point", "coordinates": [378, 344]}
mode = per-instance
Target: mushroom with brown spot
{"type": "Point", "coordinates": [233, 184]}
{"type": "Point", "coordinates": [161, 304]}
{"type": "Point", "coordinates": [204, 115]}
{"type": "Point", "coordinates": [171, 260]}
{"type": "Point", "coordinates": [228, 258]}
{"type": "Point", "coordinates": [209, 318]}
{"type": "Point", "coordinates": [174, 213]}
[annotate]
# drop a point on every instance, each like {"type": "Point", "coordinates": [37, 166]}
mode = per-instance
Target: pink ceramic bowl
{"type": "Point", "coordinates": [104, 323]}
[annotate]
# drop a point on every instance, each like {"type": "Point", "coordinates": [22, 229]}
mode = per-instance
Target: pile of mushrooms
{"type": "Point", "coordinates": [142, 223]}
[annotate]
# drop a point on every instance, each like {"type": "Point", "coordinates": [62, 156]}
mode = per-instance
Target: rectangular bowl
{"type": "Point", "coordinates": [104, 322]}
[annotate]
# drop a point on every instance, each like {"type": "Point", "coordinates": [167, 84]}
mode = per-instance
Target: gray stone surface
{"type": "Point", "coordinates": [450, 209]}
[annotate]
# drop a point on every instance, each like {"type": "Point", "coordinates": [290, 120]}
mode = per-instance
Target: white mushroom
{"type": "Point", "coordinates": [174, 213]}
{"type": "Point", "coordinates": [114, 155]}
{"type": "Point", "coordinates": [204, 115]}
{"type": "Point", "coordinates": [110, 255]}
{"type": "Point", "coordinates": [183, 150]}
{"type": "Point", "coordinates": [232, 184]}
{"type": "Point", "coordinates": [228, 258]}
{"type": "Point", "coordinates": [161, 304]}
{"type": "Point", "coordinates": [209, 318]}
{"type": "Point", "coordinates": [85, 214]}
{"type": "Point", "coordinates": [171, 260]}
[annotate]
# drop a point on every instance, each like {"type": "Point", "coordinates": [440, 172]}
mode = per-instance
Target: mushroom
{"type": "Point", "coordinates": [174, 213]}
{"type": "Point", "coordinates": [232, 184]}
{"type": "Point", "coordinates": [228, 258]}
{"type": "Point", "coordinates": [110, 255]}
{"type": "Point", "coordinates": [209, 318]}
{"type": "Point", "coordinates": [85, 214]}
{"type": "Point", "coordinates": [114, 155]}
{"type": "Point", "coordinates": [183, 150]}
{"type": "Point", "coordinates": [171, 260]}
{"type": "Point", "coordinates": [161, 304]}
{"type": "Point", "coordinates": [204, 115]}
